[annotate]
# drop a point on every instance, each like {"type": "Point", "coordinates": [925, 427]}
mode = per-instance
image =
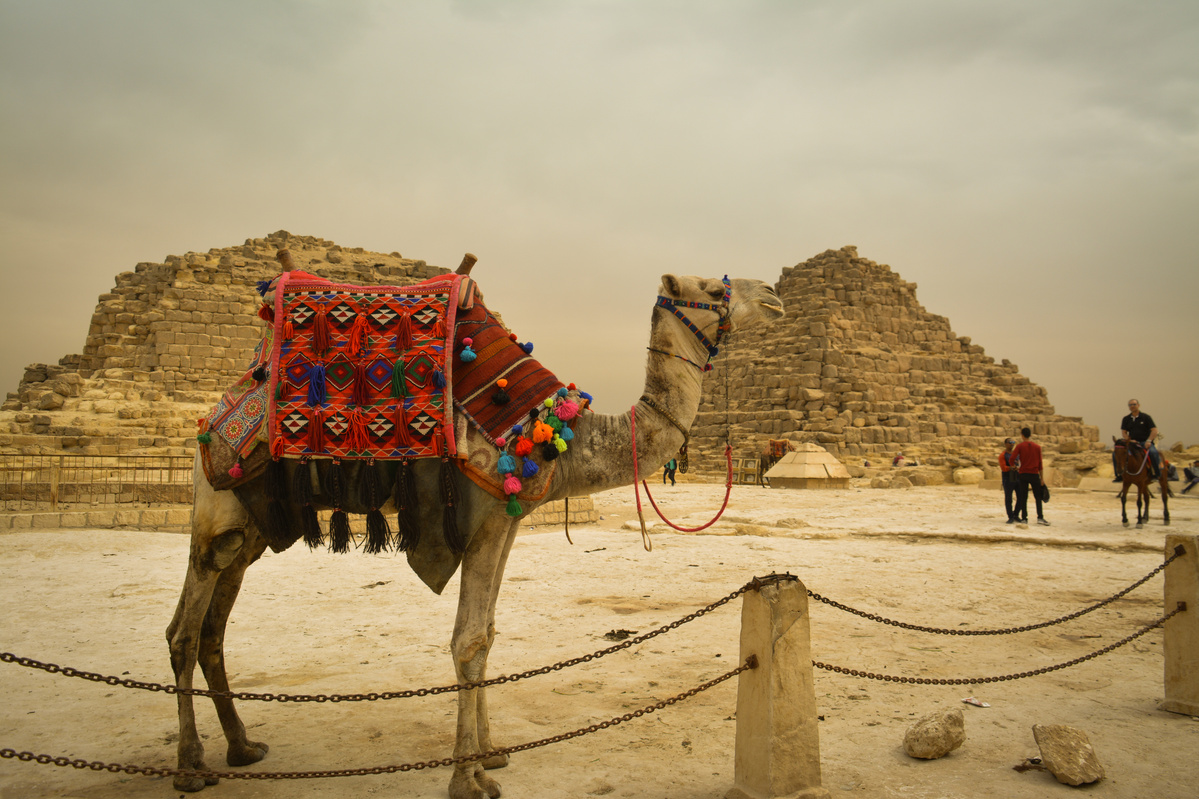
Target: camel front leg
{"type": "Point", "coordinates": [474, 631]}
{"type": "Point", "coordinates": [241, 751]}
{"type": "Point", "coordinates": [482, 713]}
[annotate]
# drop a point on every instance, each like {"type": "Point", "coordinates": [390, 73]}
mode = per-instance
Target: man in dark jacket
{"type": "Point", "coordinates": [1137, 426]}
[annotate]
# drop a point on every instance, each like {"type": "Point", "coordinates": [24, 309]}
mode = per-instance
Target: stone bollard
{"type": "Point", "coordinates": [1181, 644]}
{"type": "Point", "coordinates": [778, 742]}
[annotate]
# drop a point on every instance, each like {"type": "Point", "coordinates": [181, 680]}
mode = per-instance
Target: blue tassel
{"type": "Point", "coordinates": [439, 380]}
{"type": "Point", "coordinates": [263, 287]}
{"type": "Point", "coordinates": [527, 347]}
{"type": "Point", "coordinates": [507, 464]}
{"type": "Point", "coordinates": [529, 469]}
{"type": "Point", "coordinates": [316, 385]}
{"type": "Point", "coordinates": [467, 355]}
{"type": "Point", "coordinates": [585, 396]}
{"type": "Point", "coordinates": [567, 434]}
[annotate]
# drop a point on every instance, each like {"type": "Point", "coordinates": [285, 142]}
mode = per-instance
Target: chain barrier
{"type": "Point", "coordinates": [753, 585]}
{"type": "Point", "coordinates": [751, 662]}
{"type": "Point", "coordinates": [977, 680]}
{"type": "Point", "coordinates": [1179, 551]}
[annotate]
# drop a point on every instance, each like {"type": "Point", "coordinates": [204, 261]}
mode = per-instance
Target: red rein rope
{"type": "Point", "coordinates": [728, 490]}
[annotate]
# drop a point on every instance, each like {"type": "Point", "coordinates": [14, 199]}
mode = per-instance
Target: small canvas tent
{"type": "Point", "coordinates": [810, 466]}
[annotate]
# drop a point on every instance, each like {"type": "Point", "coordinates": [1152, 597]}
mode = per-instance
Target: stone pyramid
{"type": "Point", "coordinates": [860, 367]}
{"type": "Point", "coordinates": [165, 343]}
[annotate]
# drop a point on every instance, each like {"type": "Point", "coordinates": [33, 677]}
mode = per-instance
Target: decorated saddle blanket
{"type": "Point", "coordinates": [386, 373]}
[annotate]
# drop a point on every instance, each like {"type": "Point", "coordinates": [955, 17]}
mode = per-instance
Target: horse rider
{"type": "Point", "coordinates": [1139, 427]}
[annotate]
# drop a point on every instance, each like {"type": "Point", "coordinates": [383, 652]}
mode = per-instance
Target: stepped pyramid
{"type": "Point", "coordinates": [860, 367]}
{"type": "Point", "coordinates": [165, 343]}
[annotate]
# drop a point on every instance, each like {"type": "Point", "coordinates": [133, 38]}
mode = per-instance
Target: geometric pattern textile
{"type": "Point", "coordinates": [240, 415]}
{"type": "Point", "coordinates": [361, 371]}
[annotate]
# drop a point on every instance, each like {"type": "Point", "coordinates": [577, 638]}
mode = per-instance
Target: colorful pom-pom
{"type": "Point", "coordinates": [501, 441]}
{"type": "Point", "coordinates": [548, 451]}
{"type": "Point", "coordinates": [549, 402]}
{"type": "Point", "coordinates": [567, 410]}
{"type": "Point", "coordinates": [560, 443]}
{"type": "Point", "coordinates": [204, 438]}
{"type": "Point", "coordinates": [467, 355]}
{"type": "Point", "coordinates": [586, 396]}
{"type": "Point", "coordinates": [530, 468]}
{"type": "Point", "coordinates": [527, 347]}
{"type": "Point", "coordinates": [562, 392]}
{"type": "Point", "coordinates": [518, 429]}
{"type": "Point", "coordinates": [468, 341]}
{"type": "Point", "coordinates": [513, 509]}
{"type": "Point", "coordinates": [263, 287]}
{"type": "Point", "coordinates": [439, 379]}
{"type": "Point", "coordinates": [571, 386]}
{"type": "Point", "coordinates": [523, 446]}
{"type": "Point", "coordinates": [511, 484]}
{"type": "Point", "coordinates": [542, 432]}
{"type": "Point", "coordinates": [512, 336]}
{"type": "Point", "coordinates": [567, 434]}
{"type": "Point", "coordinates": [554, 422]}
{"type": "Point", "coordinates": [506, 465]}
{"type": "Point", "coordinates": [236, 472]}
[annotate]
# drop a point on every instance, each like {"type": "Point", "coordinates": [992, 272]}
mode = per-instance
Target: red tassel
{"type": "Point", "coordinates": [236, 472]}
{"type": "Point", "coordinates": [320, 334]}
{"type": "Point", "coordinates": [266, 312]}
{"type": "Point", "coordinates": [404, 333]}
{"type": "Point", "coordinates": [359, 388]}
{"type": "Point", "coordinates": [289, 329]}
{"type": "Point", "coordinates": [316, 431]}
{"type": "Point", "coordinates": [439, 329]}
{"type": "Point", "coordinates": [402, 433]}
{"type": "Point", "coordinates": [357, 440]}
{"type": "Point", "coordinates": [358, 335]}
{"type": "Point", "coordinates": [277, 444]}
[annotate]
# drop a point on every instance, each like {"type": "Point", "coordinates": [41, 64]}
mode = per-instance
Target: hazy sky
{"type": "Point", "coordinates": [1033, 166]}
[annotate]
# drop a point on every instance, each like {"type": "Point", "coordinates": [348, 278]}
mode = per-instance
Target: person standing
{"type": "Point", "coordinates": [1031, 476]}
{"type": "Point", "coordinates": [1139, 427]}
{"type": "Point", "coordinates": [671, 467]}
{"type": "Point", "coordinates": [1008, 472]}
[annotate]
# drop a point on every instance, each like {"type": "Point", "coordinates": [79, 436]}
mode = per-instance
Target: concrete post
{"type": "Point", "coordinates": [1181, 644]}
{"type": "Point", "coordinates": [778, 743]}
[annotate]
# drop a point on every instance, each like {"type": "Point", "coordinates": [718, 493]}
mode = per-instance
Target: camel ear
{"type": "Point", "coordinates": [671, 286]}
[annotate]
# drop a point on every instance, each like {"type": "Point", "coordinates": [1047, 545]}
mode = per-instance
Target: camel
{"type": "Point", "coordinates": [228, 532]}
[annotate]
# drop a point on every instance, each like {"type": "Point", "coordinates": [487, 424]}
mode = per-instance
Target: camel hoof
{"type": "Point", "coordinates": [193, 784]}
{"type": "Point", "coordinates": [244, 755]}
{"type": "Point", "coordinates": [495, 761]}
{"type": "Point", "coordinates": [473, 785]}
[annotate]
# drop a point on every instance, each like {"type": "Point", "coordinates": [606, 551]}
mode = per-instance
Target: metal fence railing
{"type": "Point", "coordinates": [52, 482]}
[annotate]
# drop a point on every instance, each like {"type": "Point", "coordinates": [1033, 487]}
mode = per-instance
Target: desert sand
{"type": "Point", "coordinates": [315, 622]}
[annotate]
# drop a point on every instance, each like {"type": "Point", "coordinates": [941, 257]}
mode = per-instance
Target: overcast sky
{"type": "Point", "coordinates": [1032, 166]}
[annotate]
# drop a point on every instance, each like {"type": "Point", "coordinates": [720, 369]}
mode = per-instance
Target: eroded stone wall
{"type": "Point", "coordinates": [860, 367]}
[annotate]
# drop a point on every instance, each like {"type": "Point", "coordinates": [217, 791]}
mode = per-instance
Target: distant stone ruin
{"type": "Point", "coordinates": [165, 343]}
{"type": "Point", "coordinates": [861, 368]}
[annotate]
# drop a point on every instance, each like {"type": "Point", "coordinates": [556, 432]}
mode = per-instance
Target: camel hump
{"type": "Point", "coordinates": [468, 263]}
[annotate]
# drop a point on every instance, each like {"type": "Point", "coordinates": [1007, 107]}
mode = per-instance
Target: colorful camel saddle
{"type": "Point", "coordinates": [392, 373]}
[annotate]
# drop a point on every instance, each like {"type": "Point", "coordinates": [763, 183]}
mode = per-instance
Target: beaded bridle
{"type": "Point", "coordinates": [721, 309]}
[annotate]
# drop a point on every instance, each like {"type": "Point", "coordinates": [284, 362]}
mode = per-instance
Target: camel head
{"type": "Point", "coordinates": [716, 307]}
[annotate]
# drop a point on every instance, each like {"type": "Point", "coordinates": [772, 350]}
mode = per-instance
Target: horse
{"type": "Point", "coordinates": [1132, 461]}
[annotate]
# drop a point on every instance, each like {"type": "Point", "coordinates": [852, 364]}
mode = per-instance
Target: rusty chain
{"type": "Point", "coordinates": [1179, 551]}
{"type": "Point", "coordinates": [977, 680]}
{"type": "Point", "coordinates": [753, 585]}
{"type": "Point", "coordinates": [751, 662]}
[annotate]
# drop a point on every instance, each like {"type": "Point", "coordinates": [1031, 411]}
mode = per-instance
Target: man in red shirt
{"type": "Point", "coordinates": [1031, 476]}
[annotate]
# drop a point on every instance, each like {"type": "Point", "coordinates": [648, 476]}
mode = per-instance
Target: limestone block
{"type": "Point", "coordinates": [968, 476]}
{"type": "Point", "coordinates": [1067, 753]}
{"type": "Point", "coordinates": [936, 735]}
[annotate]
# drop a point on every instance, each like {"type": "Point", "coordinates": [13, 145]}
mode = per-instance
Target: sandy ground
{"type": "Point", "coordinates": [315, 622]}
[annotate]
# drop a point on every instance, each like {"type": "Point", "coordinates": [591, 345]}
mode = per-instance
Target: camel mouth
{"type": "Point", "coordinates": [775, 308]}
